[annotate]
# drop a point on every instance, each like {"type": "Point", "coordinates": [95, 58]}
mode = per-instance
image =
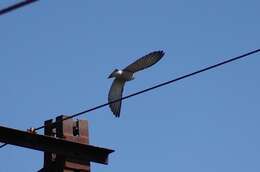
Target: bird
{"type": "Point", "coordinates": [127, 74]}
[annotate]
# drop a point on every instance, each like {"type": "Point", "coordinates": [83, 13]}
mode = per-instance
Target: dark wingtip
{"type": "Point", "coordinates": [117, 115]}
{"type": "Point", "coordinates": [161, 52]}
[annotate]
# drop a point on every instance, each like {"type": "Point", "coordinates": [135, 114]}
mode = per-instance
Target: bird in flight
{"type": "Point", "coordinates": [122, 76]}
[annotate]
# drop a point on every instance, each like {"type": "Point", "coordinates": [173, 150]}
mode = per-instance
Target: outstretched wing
{"type": "Point", "coordinates": [115, 92]}
{"type": "Point", "coordinates": [145, 61]}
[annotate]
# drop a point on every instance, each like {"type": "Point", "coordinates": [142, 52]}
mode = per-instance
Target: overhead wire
{"type": "Point", "coordinates": [155, 87]}
{"type": "Point", "coordinates": [16, 6]}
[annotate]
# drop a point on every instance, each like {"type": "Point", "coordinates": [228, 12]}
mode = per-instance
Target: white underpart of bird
{"type": "Point", "coordinates": [126, 74]}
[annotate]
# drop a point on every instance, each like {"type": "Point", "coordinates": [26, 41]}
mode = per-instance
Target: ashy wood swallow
{"type": "Point", "coordinates": [126, 74]}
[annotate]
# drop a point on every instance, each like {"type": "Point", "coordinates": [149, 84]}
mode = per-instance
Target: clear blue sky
{"type": "Point", "coordinates": [56, 56]}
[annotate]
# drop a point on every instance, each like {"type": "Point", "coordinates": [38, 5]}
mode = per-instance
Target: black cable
{"type": "Point", "coordinates": [16, 6]}
{"type": "Point", "coordinates": [3, 145]}
{"type": "Point", "coordinates": [156, 86]}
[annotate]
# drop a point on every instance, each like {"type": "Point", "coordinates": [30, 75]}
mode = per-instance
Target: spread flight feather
{"type": "Point", "coordinates": [121, 76]}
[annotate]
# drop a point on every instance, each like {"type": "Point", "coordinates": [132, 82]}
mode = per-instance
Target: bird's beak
{"type": "Point", "coordinates": [110, 76]}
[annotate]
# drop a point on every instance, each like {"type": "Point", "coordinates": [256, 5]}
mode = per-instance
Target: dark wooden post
{"type": "Point", "coordinates": [48, 131]}
{"type": "Point", "coordinates": [75, 131]}
{"type": "Point", "coordinates": [65, 145]}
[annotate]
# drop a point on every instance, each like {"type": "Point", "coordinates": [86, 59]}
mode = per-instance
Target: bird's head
{"type": "Point", "coordinates": [114, 73]}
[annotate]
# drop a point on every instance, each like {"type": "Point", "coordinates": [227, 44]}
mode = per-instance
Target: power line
{"type": "Point", "coordinates": [3, 145]}
{"type": "Point", "coordinates": [157, 86]}
{"type": "Point", "coordinates": [16, 6]}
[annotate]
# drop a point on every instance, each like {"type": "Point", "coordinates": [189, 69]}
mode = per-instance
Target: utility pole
{"type": "Point", "coordinates": [75, 131]}
{"type": "Point", "coordinates": [65, 144]}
